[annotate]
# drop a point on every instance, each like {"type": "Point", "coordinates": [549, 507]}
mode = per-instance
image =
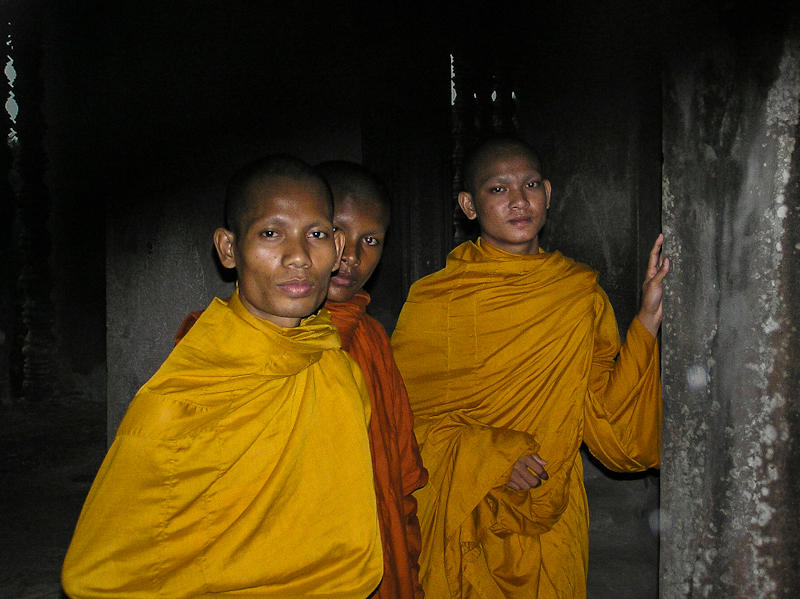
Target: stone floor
{"type": "Point", "coordinates": [51, 453]}
{"type": "Point", "coordinates": [623, 549]}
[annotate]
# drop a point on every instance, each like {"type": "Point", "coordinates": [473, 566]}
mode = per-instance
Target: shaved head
{"type": "Point", "coordinates": [250, 177]}
{"type": "Point", "coordinates": [356, 181]}
{"type": "Point", "coordinates": [488, 150]}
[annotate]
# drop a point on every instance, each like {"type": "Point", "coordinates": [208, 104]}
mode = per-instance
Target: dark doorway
{"type": "Point", "coordinates": [132, 115]}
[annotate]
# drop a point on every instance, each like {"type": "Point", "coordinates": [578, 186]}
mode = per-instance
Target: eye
{"type": "Point", "coordinates": [369, 240]}
{"type": "Point", "coordinates": [335, 228]}
{"type": "Point", "coordinates": [533, 184]}
{"type": "Point", "coordinates": [319, 234]}
{"type": "Point", "coordinates": [497, 189]}
{"type": "Point", "coordinates": [269, 234]}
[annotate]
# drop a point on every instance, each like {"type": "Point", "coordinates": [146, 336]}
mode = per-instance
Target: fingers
{"type": "Point", "coordinates": [528, 473]}
{"type": "Point", "coordinates": [655, 260]}
{"type": "Point", "coordinates": [657, 277]}
{"type": "Point", "coordinates": [657, 264]}
{"type": "Point", "coordinates": [651, 310]}
{"type": "Point", "coordinates": [665, 266]}
{"type": "Point", "coordinates": [522, 480]}
{"type": "Point", "coordinates": [663, 269]}
{"type": "Point", "coordinates": [535, 465]}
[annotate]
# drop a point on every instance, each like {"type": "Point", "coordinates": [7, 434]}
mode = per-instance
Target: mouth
{"type": "Point", "coordinates": [343, 280]}
{"type": "Point", "coordinates": [344, 277]}
{"type": "Point", "coordinates": [520, 221]}
{"type": "Point", "coordinates": [297, 288]}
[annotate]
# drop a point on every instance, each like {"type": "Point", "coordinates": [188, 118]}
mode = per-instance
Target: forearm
{"type": "Point", "coordinates": [650, 321]}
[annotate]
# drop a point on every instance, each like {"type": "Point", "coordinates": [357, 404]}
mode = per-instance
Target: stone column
{"type": "Point", "coordinates": [731, 363]}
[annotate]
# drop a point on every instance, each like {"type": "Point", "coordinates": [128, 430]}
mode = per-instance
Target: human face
{"type": "Point", "coordinates": [363, 223]}
{"type": "Point", "coordinates": [286, 251]}
{"type": "Point", "coordinates": [510, 201]}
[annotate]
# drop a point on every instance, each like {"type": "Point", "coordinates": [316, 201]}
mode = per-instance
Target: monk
{"type": "Point", "coordinates": [362, 214]}
{"type": "Point", "coordinates": [242, 467]}
{"type": "Point", "coordinates": [512, 360]}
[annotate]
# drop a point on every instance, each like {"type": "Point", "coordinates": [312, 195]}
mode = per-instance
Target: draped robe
{"type": "Point", "coordinates": [504, 355]}
{"type": "Point", "coordinates": [241, 468]}
{"type": "Point", "coordinates": [396, 460]}
{"type": "Point", "coordinates": [397, 464]}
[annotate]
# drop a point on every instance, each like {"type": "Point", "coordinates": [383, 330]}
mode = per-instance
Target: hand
{"type": "Point", "coordinates": [528, 473]}
{"type": "Point", "coordinates": [651, 312]}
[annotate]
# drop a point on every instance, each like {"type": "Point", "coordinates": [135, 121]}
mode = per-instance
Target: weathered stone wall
{"type": "Point", "coordinates": [731, 213]}
{"type": "Point", "coordinates": [591, 105]}
{"type": "Point", "coordinates": [323, 85]}
{"type": "Point", "coordinates": [203, 107]}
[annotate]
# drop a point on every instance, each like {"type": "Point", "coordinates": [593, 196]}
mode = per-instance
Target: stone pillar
{"type": "Point", "coordinates": [731, 363]}
{"type": "Point", "coordinates": [32, 355]}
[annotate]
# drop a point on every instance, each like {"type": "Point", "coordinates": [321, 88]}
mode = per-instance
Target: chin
{"type": "Point", "coordinates": [341, 296]}
{"type": "Point", "coordinates": [527, 238]}
{"type": "Point", "coordinates": [306, 308]}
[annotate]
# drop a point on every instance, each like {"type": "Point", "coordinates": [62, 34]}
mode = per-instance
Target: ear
{"type": "Point", "coordinates": [224, 241]}
{"type": "Point", "coordinates": [547, 190]}
{"type": "Point", "coordinates": [467, 205]}
{"type": "Point", "coordinates": [338, 241]}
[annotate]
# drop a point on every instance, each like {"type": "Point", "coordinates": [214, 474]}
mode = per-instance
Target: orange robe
{"type": "Point", "coordinates": [505, 355]}
{"type": "Point", "coordinates": [397, 464]}
{"type": "Point", "coordinates": [395, 455]}
{"type": "Point", "coordinates": [241, 468]}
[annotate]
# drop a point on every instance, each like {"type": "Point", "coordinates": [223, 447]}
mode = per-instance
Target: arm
{"type": "Point", "coordinates": [414, 475]}
{"type": "Point", "coordinates": [413, 531]}
{"type": "Point", "coordinates": [623, 407]}
{"type": "Point", "coordinates": [115, 550]}
{"type": "Point", "coordinates": [470, 464]}
{"type": "Point", "coordinates": [187, 324]}
{"type": "Point", "coordinates": [651, 311]}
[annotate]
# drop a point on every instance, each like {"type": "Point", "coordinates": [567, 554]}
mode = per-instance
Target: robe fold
{"type": "Point", "coordinates": [396, 460]}
{"type": "Point", "coordinates": [241, 468]}
{"type": "Point", "coordinates": [505, 355]}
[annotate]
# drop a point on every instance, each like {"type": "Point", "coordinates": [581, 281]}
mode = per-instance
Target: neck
{"type": "Point", "coordinates": [527, 248]}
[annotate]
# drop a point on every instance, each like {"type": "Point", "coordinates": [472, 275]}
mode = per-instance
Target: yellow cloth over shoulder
{"type": "Point", "coordinates": [242, 468]}
{"type": "Point", "coordinates": [505, 355]}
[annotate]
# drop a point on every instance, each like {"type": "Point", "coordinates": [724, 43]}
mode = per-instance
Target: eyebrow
{"type": "Point", "coordinates": [370, 232]}
{"type": "Point", "coordinates": [277, 219]}
{"type": "Point", "coordinates": [505, 178]}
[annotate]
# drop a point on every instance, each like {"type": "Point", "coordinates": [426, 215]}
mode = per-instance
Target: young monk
{"type": "Point", "coordinates": [242, 466]}
{"type": "Point", "coordinates": [362, 213]}
{"type": "Point", "coordinates": [512, 359]}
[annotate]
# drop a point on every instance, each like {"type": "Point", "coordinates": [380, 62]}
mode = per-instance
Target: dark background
{"type": "Point", "coordinates": [133, 115]}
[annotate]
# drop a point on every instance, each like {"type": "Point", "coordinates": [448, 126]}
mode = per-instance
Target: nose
{"type": "Point", "coordinates": [519, 197]}
{"type": "Point", "coordinates": [351, 254]}
{"type": "Point", "coordinates": [296, 253]}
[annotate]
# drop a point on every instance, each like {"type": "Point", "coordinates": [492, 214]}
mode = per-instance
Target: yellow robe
{"type": "Point", "coordinates": [242, 468]}
{"type": "Point", "coordinates": [504, 355]}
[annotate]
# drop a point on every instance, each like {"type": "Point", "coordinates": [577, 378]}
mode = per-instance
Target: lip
{"type": "Point", "coordinates": [343, 280]}
{"type": "Point", "coordinates": [297, 288]}
{"type": "Point", "coordinates": [520, 221]}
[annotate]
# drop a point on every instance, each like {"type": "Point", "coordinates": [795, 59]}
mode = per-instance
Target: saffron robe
{"type": "Point", "coordinates": [241, 469]}
{"type": "Point", "coordinates": [397, 464]}
{"type": "Point", "coordinates": [506, 355]}
{"type": "Point", "coordinates": [396, 460]}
